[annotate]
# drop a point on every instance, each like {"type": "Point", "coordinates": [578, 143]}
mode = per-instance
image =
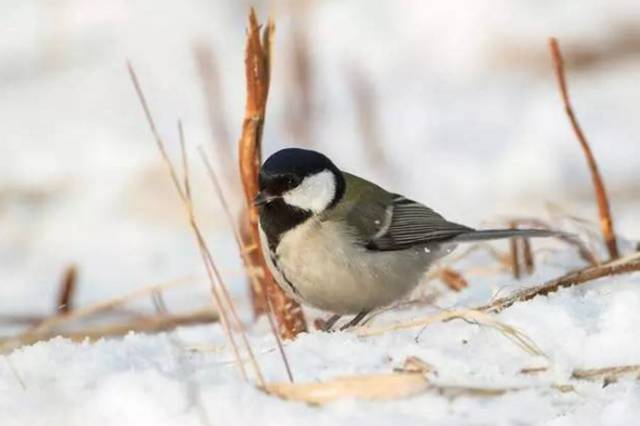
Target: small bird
{"type": "Point", "coordinates": [342, 244]}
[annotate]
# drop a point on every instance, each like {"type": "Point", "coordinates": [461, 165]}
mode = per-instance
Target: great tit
{"type": "Point", "coordinates": [345, 245]}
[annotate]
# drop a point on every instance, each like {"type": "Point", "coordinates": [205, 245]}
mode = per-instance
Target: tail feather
{"type": "Point", "coordinates": [494, 234]}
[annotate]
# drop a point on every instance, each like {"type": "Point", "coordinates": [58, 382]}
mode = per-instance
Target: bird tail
{"type": "Point", "coordinates": [495, 234]}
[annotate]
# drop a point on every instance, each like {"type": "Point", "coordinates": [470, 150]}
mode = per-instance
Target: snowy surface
{"type": "Point", "coordinates": [470, 122]}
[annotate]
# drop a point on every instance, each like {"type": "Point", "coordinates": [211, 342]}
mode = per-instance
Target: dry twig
{"type": "Point", "coordinates": [149, 324]}
{"type": "Point", "coordinates": [527, 256]}
{"type": "Point", "coordinates": [67, 290]}
{"type": "Point", "coordinates": [514, 249]}
{"type": "Point", "coordinates": [606, 223]}
{"type": "Point", "coordinates": [590, 273]}
{"type": "Point", "coordinates": [608, 374]}
{"type": "Point", "coordinates": [569, 239]}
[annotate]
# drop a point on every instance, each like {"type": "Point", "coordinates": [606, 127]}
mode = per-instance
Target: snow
{"type": "Point", "coordinates": [471, 124]}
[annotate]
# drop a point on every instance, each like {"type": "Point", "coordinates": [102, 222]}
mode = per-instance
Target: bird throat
{"type": "Point", "coordinates": [277, 217]}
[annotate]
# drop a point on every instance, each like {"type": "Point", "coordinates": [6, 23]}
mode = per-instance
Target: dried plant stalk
{"type": "Point", "coordinates": [67, 290]}
{"type": "Point", "coordinates": [616, 267]}
{"type": "Point", "coordinates": [609, 374]}
{"type": "Point", "coordinates": [470, 315]}
{"type": "Point", "coordinates": [453, 279]}
{"type": "Point", "coordinates": [371, 386]}
{"type": "Point", "coordinates": [217, 286]}
{"type": "Point", "coordinates": [288, 313]}
{"type": "Point", "coordinates": [244, 254]}
{"type": "Point", "coordinates": [147, 324]}
{"type": "Point", "coordinates": [527, 256]}
{"type": "Point", "coordinates": [514, 249]}
{"type": "Point", "coordinates": [606, 223]}
{"type": "Point", "coordinates": [570, 239]}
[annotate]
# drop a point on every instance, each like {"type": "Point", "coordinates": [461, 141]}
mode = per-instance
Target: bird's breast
{"type": "Point", "coordinates": [321, 264]}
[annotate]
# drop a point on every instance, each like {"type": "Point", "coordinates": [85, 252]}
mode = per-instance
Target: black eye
{"type": "Point", "coordinates": [293, 181]}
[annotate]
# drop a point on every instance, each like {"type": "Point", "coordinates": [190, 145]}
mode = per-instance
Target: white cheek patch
{"type": "Point", "coordinates": [315, 193]}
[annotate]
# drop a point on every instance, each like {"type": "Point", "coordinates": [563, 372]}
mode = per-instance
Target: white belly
{"type": "Point", "coordinates": [318, 266]}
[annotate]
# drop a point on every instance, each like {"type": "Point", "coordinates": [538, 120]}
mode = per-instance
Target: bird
{"type": "Point", "coordinates": [339, 243]}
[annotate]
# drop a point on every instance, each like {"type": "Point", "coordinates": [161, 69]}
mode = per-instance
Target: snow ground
{"type": "Point", "coordinates": [471, 124]}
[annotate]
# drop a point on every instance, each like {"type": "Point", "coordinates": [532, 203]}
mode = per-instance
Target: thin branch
{"type": "Point", "coordinates": [67, 290]}
{"type": "Point", "coordinates": [570, 239]}
{"type": "Point", "coordinates": [49, 326]}
{"type": "Point", "coordinates": [616, 267]}
{"type": "Point", "coordinates": [514, 249]}
{"type": "Point", "coordinates": [606, 223]}
{"type": "Point", "coordinates": [152, 324]}
{"type": "Point", "coordinates": [527, 256]}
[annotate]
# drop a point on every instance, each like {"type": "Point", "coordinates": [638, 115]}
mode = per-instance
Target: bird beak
{"type": "Point", "coordinates": [263, 198]}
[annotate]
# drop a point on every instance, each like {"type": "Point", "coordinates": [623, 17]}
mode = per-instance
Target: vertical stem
{"type": "Point", "coordinates": [606, 224]}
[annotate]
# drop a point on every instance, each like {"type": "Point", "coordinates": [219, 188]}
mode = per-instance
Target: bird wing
{"type": "Point", "coordinates": [385, 221]}
{"type": "Point", "coordinates": [410, 223]}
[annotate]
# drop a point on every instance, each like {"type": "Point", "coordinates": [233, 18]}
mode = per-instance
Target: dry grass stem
{"type": "Point", "coordinates": [149, 324]}
{"type": "Point", "coordinates": [608, 374]}
{"type": "Point", "coordinates": [258, 56]}
{"type": "Point", "coordinates": [590, 273]}
{"type": "Point", "coordinates": [514, 249]}
{"type": "Point", "coordinates": [217, 285]}
{"type": "Point", "coordinates": [67, 290]}
{"type": "Point", "coordinates": [527, 256]}
{"type": "Point", "coordinates": [473, 316]}
{"type": "Point", "coordinates": [570, 239]}
{"type": "Point", "coordinates": [606, 223]}
{"type": "Point", "coordinates": [245, 255]}
{"type": "Point", "coordinates": [48, 327]}
{"type": "Point", "coordinates": [144, 324]}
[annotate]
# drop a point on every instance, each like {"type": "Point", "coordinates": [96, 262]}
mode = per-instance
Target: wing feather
{"type": "Point", "coordinates": [414, 224]}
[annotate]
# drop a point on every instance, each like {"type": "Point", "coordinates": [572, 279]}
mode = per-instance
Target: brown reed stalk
{"type": "Point", "coordinates": [527, 256]}
{"type": "Point", "coordinates": [64, 302]}
{"type": "Point", "coordinates": [514, 249]}
{"type": "Point", "coordinates": [606, 223]}
{"type": "Point", "coordinates": [288, 313]}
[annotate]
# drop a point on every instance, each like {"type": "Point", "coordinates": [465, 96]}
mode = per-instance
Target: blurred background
{"type": "Point", "coordinates": [452, 103]}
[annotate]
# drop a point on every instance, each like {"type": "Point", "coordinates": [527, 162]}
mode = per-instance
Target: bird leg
{"type": "Point", "coordinates": [328, 324]}
{"type": "Point", "coordinates": [355, 321]}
